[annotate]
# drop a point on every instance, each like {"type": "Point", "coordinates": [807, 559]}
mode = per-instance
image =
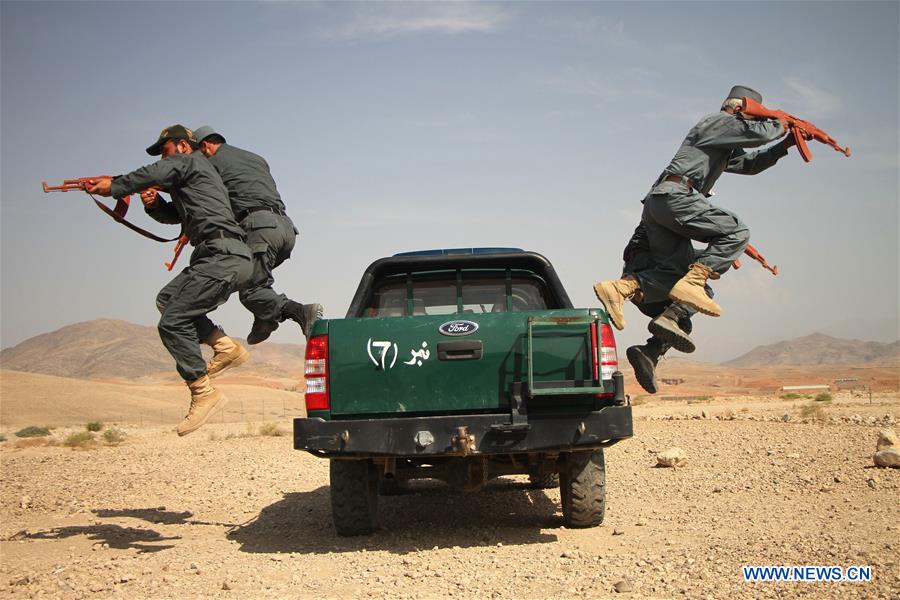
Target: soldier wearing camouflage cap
{"type": "Point", "coordinates": [220, 263]}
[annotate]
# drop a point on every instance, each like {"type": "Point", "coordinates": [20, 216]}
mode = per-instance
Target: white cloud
{"type": "Point", "coordinates": [609, 32]}
{"type": "Point", "coordinates": [815, 101]}
{"type": "Point", "coordinates": [627, 82]}
{"type": "Point", "coordinates": [394, 19]}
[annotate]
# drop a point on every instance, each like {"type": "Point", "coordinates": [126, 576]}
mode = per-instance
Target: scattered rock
{"type": "Point", "coordinates": [623, 586]}
{"type": "Point", "coordinates": [618, 532]}
{"type": "Point", "coordinates": [889, 457]}
{"type": "Point", "coordinates": [225, 586]}
{"type": "Point", "coordinates": [25, 502]}
{"type": "Point", "coordinates": [887, 438]}
{"type": "Point", "coordinates": [673, 457]}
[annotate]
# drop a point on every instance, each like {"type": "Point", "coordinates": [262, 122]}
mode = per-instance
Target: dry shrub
{"type": "Point", "coordinates": [113, 436]}
{"type": "Point", "coordinates": [94, 426]}
{"type": "Point", "coordinates": [79, 439]}
{"type": "Point", "coordinates": [814, 411]}
{"type": "Point", "coordinates": [638, 400]}
{"type": "Point", "coordinates": [823, 397]}
{"type": "Point", "coordinates": [33, 431]}
{"type": "Point", "coordinates": [270, 430]}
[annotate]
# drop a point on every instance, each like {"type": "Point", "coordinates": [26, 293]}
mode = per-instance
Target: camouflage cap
{"type": "Point", "coordinates": [741, 91]}
{"type": "Point", "coordinates": [172, 132]}
{"type": "Point", "coordinates": [201, 133]}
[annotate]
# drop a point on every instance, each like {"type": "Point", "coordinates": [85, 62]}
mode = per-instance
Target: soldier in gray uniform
{"type": "Point", "coordinates": [270, 233]}
{"type": "Point", "coordinates": [677, 211]}
{"type": "Point", "coordinates": [220, 263]}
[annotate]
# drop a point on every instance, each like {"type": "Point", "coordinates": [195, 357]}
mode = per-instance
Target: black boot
{"type": "Point", "coordinates": [643, 360]}
{"type": "Point", "coordinates": [673, 327]}
{"type": "Point", "coordinates": [261, 331]}
{"type": "Point", "coordinates": [304, 315]}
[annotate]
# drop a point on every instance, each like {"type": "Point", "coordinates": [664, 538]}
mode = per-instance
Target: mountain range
{"type": "Point", "coordinates": [107, 348]}
{"type": "Point", "coordinates": [113, 349]}
{"type": "Point", "coordinates": [819, 349]}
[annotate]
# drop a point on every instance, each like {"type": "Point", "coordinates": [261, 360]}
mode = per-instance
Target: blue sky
{"type": "Point", "coordinates": [401, 126]}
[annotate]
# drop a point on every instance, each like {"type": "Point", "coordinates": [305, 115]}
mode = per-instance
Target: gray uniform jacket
{"type": "Point", "coordinates": [248, 179]}
{"type": "Point", "coordinates": [716, 145]}
{"type": "Point", "coordinates": [199, 198]}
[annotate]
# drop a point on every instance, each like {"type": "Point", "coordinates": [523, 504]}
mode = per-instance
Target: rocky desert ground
{"type": "Point", "coordinates": [230, 513]}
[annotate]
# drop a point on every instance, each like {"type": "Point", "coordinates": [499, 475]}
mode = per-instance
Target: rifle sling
{"type": "Point", "coordinates": [131, 226]}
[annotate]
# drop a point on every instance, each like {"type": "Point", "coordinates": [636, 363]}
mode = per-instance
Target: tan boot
{"type": "Point", "coordinates": [228, 353]}
{"type": "Point", "coordinates": [613, 295]}
{"type": "Point", "coordinates": [205, 400]}
{"type": "Point", "coordinates": [690, 290]}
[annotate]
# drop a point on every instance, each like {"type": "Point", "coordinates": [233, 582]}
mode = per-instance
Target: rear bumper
{"type": "Point", "coordinates": [440, 436]}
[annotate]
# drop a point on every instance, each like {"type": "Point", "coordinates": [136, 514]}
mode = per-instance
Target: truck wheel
{"type": "Point", "coordinates": [582, 485]}
{"type": "Point", "coordinates": [354, 496]}
{"type": "Point", "coordinates": [543, 482]}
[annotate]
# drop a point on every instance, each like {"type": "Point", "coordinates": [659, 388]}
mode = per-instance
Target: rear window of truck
{"type": "Point", "coordinates": [458, 292]}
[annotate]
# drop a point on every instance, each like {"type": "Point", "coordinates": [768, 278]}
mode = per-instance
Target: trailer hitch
{"type": "Point", "coordinates": [463, 442]}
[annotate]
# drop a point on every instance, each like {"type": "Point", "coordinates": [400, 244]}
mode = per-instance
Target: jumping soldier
{"type": "Point", "coordinates": [671, 321]}
{"type": "Point", "coordinates": [220, 263]}
{"type": "Point", "coordinates": [676, 211]}
{"type": "Point", "coordinates": [271, 234]}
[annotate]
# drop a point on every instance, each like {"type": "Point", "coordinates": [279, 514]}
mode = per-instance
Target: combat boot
{"type": "Point", "coordinates": [261, 330]}
{"type": "Point", "coordinates": [668, 327]}
{"type": "Point", "coordinates": [691, 290]}
{"type": "Point", "coordinates": [643, 360]}
{"type": "Point", "coordinates": [613, 295]}
{"type": "Point", "coordinates": [227, 353]}
{"type": "Point", "coordinates": [304, 315]}
{"type": "Point", "coordinates": [205, 400]}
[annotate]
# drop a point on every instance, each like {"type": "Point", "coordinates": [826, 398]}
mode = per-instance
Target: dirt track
{"type": "Point", "coordinates": [242, 517]}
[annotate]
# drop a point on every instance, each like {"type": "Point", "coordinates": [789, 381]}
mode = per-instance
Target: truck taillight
{"type": "Point", "coordinates": [609, 360]}
{"type": "Point", "coordinates": [316, 371]}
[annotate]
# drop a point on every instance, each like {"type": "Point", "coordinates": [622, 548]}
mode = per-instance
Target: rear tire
{"type": "Point", "coordinates": [543, 482]}
{"type": "Point", "coordinates": [582, 486]}
{"type": "Point", "coordinates": [354, 496]}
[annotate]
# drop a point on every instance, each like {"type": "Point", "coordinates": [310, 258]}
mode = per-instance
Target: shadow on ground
{"type": "Point", "coordinates": [156, 515]}
{"type": "Point", "coordinates": [116, 536]}
{"type": "Point", "coordinates": [429, 515]}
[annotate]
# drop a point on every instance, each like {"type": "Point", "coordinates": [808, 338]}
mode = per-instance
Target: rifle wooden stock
{"type": "Point", "coordinates": [800, 129]}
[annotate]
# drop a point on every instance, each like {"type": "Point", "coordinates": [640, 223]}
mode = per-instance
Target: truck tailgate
{"type": "Point", "coordinates": [407, 365]}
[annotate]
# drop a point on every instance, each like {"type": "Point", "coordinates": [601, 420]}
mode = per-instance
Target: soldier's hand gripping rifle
{"type": "Point", "coordinates": [800, 129]}
{"type": "Point", "coordinates": [118, 212]}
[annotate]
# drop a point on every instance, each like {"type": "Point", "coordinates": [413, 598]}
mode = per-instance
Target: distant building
{"type": "Point", "coordinates": [800, 388]}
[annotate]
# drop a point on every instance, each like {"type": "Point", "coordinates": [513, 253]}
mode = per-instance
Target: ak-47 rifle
{"type": "Point", "coordinates": [755, 255]}
{"type": "Point", "coordinates": [117, 213]}
{"type": "Point", "coordinates": [801, 130]}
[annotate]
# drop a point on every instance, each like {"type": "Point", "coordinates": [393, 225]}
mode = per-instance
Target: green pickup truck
{"type": "Point", "coordinates": [462, 365]}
